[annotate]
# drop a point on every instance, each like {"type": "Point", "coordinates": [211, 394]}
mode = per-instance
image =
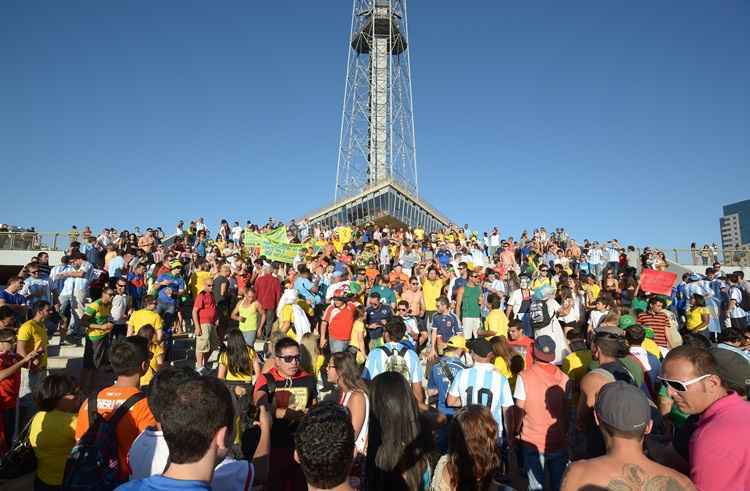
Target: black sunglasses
{"type": "Point", "coordinates": [290, 358]}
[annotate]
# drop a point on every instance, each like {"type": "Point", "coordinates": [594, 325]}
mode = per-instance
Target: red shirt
{"type": "Point", "coordinates": [268, 289]}
{"type": "Point", "coordinates": [10, 385]}
{"type": "Point", "coordinates": [340, 324]}
{"type": "Point", "coordinates": [206, 307]}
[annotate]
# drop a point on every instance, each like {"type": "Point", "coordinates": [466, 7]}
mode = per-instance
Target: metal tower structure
{"type": "Point", "coordinates": [377, 141]}
{"type": "Point", "coordinates": [376, 172]}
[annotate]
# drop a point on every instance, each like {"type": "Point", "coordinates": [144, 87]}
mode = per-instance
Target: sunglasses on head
{"type": "Point", "coordinates": [681, 386]}
{"type": "Point", "coordinates": [289, 358]}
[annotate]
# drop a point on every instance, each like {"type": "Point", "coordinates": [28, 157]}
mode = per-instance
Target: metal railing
{"type": "Point", "coordinates": [727, 257]}
{"type": "Point", "coordinates": [33, 241]}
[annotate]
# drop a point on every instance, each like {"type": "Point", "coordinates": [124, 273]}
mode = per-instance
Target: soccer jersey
{"type": "Point", "coordinates": [375, 364]}
{"type": "Point", "coordinates": [482, 384]}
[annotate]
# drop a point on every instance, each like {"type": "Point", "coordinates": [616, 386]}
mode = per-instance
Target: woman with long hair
{"type": "Point", "coordinates": [345, 373]}
{"type": "Point", "coordinates": [238, 362]}
{"type": "Point", "coordinates": [156, 348]}
{"type": "Point", "coordinates": [52, 429]}
{"type": "Point", "coordinates": [473, 459]}
{"type": "Point", "coordinates": [503, 354]}
{"type": "Point", "coordinates": [398, 443]}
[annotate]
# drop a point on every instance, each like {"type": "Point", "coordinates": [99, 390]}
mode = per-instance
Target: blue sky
{"type": "Point", "coordinates": [612, 119]}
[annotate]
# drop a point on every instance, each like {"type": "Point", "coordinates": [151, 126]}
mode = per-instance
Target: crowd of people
{"type": "Point", "coordinates": [378, 358]}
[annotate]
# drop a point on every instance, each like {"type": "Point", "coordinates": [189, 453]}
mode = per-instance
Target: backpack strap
{"type": "Point", "coordinates": [403, 350]}
{"type": "Point", "coordinates": [446, 371]}
{"type": "Point", "coordinates": [93, 409]}
{"type": "Point", "coordinates": [249, 477]}
{"type": "Point", "coordinates": [125, 407]}
{"type": "Point", "coordinates": [387, 350]}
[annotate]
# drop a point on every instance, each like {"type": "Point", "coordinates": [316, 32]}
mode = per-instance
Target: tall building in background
{"type": "Point", "coordinates": [735, 225]}
{"type": "Point", "coordinates": [376, 172]}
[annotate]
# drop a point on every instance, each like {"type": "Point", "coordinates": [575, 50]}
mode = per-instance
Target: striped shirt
{"type": "Point", "coordinates": [375, 364]}
{"type": "Point", "coordinates": [482, 384]}
{"type": "Point", "coordinates": [659, 323]}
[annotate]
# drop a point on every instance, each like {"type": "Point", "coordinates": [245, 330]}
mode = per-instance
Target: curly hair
{"type": "Point", "coordinates": [324, 442]}
{"type": "Point", "coordinates": [473, 458]}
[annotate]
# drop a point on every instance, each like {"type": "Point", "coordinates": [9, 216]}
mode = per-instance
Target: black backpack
{"type": "Point", "coordinates": [93, 464]}
{"type": "Point", "coordinates": [539, 314]}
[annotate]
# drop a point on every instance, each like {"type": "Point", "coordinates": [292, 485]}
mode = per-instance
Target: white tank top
{"type": "Point", "coordinates": [360, 443]}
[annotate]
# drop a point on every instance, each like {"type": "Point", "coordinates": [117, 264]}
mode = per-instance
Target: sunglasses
{"type": "Point", "coordinates": [681, 386]}
{"type": "Point", "coordinates": [119, 285]}
{"type": "Point", "coordinates": [290, 358]}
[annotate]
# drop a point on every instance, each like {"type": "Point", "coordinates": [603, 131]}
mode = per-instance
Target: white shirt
{"type": "Point", "coordinates": [81, 285]}
{"type": "Point", "coordinates": [237, 232]}
{"type": "Point", "coordinates": [495, 240]}
{"type": "Point", "coordinates": [119, 311]}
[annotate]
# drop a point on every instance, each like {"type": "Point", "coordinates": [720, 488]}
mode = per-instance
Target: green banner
{"type": "Point", "coordinates": [256, 239]}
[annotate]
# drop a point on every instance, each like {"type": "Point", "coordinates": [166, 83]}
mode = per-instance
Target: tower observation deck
{"type": "Point", "coordinates": [376, 172]}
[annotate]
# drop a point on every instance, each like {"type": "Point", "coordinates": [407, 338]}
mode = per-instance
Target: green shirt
{"type": "Point", "coordinates": [470, 302]}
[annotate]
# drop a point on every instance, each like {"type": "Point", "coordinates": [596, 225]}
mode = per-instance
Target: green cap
{"type": "Point", "coordinates": [626, 321]}
{"type": "Point", "coordinates": [649, 332]}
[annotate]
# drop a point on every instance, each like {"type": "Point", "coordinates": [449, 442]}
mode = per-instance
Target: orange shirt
{"type": "Point", "coordinates": [394, 277]}
{"type": "Point", "coordinates": [371, 273]}
{"type": "Point", "coordinates": [131, 425]}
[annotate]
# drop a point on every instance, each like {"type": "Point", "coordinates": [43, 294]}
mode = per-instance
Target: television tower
{"type": "Point", "coordinates": [376, 171]}
{"type": "Point", "coordinates": [377, 140]}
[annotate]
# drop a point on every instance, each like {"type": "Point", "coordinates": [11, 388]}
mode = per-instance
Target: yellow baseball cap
{"type": "Point", "coordinates": [458, 342]}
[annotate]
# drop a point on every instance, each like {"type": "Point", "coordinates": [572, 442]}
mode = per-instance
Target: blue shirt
{"type": "Point", "coordinates": [444, 256]}
{"type": "Point", "coordinates": [115, 266]}
{"type": "Point", "coordinates": [375, 364]}
{"type": "Point", "coordinates": [161, 483]}
{"type": "Point", "coordinates": [374, 315]}
{"type": "Point", "coordinates": [175, 284]}
{"type": "Point", "coordinates": [447, 325]}
{"type": "Point", "coordinates": [12, 298]}
{"type": "Point", "coordinates": [438, 380]}
{"type": "Point", "coordinates": [303, 286]}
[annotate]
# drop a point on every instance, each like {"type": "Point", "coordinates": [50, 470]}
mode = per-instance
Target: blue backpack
{"type": "Point", "coordinates": [93, 464]}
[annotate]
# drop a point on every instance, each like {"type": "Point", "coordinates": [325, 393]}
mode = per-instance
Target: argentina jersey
{"type": "Point", "coordinates": [375, 364]}
{"type": "Point", "coordinates": [483, 385]}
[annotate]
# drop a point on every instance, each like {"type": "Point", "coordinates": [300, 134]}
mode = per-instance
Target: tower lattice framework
{"type": "Point", "coordinates": [377, 141]}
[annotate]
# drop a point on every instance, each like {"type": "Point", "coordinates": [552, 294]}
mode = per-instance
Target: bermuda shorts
{"type": "Point", "coordinates": [207, 341]}
{"type": "Point", "coordinates": [471, 325]}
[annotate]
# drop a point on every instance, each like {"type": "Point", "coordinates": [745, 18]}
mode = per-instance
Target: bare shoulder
{"type": "Point", "coordinates": [660, 478]}
{"type": "Point", "coordinates": [573, 477]}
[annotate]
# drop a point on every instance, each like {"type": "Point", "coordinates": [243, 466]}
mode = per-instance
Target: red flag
{"type": "Point", "coordinates": [660, 282]}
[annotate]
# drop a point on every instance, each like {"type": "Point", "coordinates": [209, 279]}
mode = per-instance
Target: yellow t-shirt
{"type": "Point", "coordinates": [287, 315]}
{"type": "Point", "coordinates": [197, 280]}
{"type": "Point", "coordinates": [36, 332]}
{"type": "Point", "coordinates": [358, 329]}
{"type": "Point", "coordinates": [540, 282]}
{"type": "Point", "coordinates": [497, 322]}
{"type": "Point", "coordinates": [141, 317]}
{"type": "Point", "coordinates": [650, 346]}
{"type": "Point", "coordinates": [52, 434]}
{"type": "Point", "coordinates": [593, 290]}
{"type": "Point", "coordinates": [694, 317]}
{"type": "Point", "coordinates": [576, 364]}
{"type": "Point", "coordinates": [237, 377]}
{"type": "Point", "coordinates": [419, 234]}
{"type": "Point", "coordinates": [431, 292]}
{"type": "Point", "coordinates": [157, 350]}
{"type": "Point", "coordinates": [502, 367]}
